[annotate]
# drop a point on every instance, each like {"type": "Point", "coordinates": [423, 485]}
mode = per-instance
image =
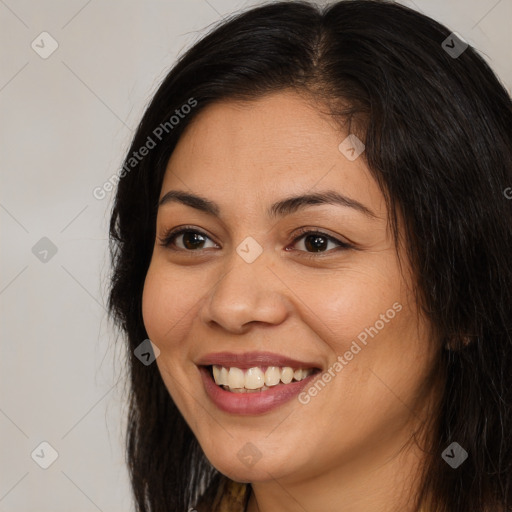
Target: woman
{"type": "Point", "coordinates": [311, 228]}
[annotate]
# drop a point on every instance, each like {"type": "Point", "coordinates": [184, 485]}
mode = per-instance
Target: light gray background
{"type": "Point", "coordinates": [66, 123]}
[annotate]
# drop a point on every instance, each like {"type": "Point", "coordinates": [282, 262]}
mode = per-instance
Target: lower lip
{"type": "Point", "coordinates": [251, 403]}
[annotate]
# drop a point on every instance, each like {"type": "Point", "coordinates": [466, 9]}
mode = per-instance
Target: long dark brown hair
{"type": "Point", "coordinates": [438, 136]}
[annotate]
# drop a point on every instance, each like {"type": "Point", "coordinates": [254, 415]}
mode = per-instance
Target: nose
{"type": "Point", "coordinates": [245, 294]}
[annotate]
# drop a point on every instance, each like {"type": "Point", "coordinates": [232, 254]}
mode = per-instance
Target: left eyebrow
{"type": "Point", "coordinates": [281, 208]}
{"type": "Point", "coordinates": [292, 204]}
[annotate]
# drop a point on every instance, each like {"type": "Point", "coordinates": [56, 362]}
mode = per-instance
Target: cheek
{"type": "Point", "coordinates": [344, 305]}
{"type": "Point", "coordinates": [164, 311]}
{"type": "Point", "coordinates": [152, 314]}
{"type": "Point", "coordinates": [172, 292]}
{"type": "Point", "coordinates": [164, 306]}
{"type": "Point", "coordinates": [372, 324]}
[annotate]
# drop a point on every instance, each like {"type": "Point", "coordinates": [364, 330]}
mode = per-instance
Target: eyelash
{"type": "Point", "coordinates": [170, 235]}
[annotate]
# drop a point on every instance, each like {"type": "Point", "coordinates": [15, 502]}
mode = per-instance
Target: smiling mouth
{"type": "Point", "coordinates": [258, 378]}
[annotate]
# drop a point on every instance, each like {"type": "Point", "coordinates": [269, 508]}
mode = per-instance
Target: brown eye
{"type": "Point", "coordinates": [317, 242]}
{"type": "Point", "coordinates": [191, 239]}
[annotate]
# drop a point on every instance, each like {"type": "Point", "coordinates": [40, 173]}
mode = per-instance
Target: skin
{"type": "Point", "coordinates": [351, 444]}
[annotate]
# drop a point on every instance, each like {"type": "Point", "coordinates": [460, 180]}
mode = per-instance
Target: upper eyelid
{"type": "Point", "coordinates": [172, 233]}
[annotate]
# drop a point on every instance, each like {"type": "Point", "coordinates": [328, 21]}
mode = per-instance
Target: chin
{"type": "Point", "coordinates": [246, 466]}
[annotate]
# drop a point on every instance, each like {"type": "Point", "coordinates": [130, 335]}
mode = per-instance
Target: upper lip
{"type": "Point", "coordinates": [252, 359]}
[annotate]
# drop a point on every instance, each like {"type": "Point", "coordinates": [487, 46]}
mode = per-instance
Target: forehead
{"type": "Point", "coordinates": [283, 122]}
{"type": "Point", "coordinates": [277, 145]}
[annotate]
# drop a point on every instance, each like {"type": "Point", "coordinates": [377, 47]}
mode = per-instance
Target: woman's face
{"type": "Point", "coordinates": [244, 288]}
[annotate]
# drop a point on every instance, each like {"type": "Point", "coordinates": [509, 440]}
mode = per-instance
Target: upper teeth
{"type": "Point", "coordinates": [257, 378]}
